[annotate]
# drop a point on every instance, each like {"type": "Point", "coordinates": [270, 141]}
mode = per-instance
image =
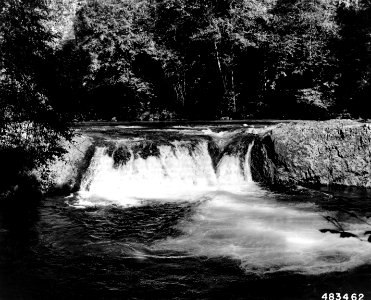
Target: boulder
{"type": "Point", "coordinates": [334, 152]}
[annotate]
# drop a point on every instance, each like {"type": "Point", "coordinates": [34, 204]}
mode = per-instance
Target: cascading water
{"type": "Point", "coordinates": [178, 170]}
{"type": "Point", "coordinates": [233, 216]}
{"type": "Point", "coordinates": [174, 214]}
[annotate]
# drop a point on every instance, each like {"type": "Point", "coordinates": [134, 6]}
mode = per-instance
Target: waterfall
{"type": "Point", "coordinates": [228, 215]}
{"type": "Point", "coordinates": [234, 169]}
{"type": "Point", "coordinates": [129, 171]}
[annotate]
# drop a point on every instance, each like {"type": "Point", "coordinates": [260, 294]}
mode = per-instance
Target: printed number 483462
{"type": "Point", "coordinates": [339, 296]}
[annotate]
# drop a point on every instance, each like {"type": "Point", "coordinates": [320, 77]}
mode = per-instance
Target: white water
{"type": "Point", "coordinates": [234, 217]}
{"type": "Point", "coordinates": [175, 175]}
{"type": "Point", "coordinates": [266, 236]}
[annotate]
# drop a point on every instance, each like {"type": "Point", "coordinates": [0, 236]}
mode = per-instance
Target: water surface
{"type": "Point", "coordinates": [174, 213]}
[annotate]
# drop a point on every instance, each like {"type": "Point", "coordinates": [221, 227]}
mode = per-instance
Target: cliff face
{"type": "Point", "coordinates": [312, 153]}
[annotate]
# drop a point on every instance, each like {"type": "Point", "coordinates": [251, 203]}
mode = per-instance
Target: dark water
{"type": "Point", "coordinates": [90, 253]}
{"type": "Point", "coordinates": [229, 243]}
{"type": "Point", "coordinates": [58, 252]}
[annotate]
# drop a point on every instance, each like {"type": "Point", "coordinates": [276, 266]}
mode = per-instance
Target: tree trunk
{"type": "Point", "coordinates": [220, 67]}
{"type": "Point", "coordinates": [233, 91]}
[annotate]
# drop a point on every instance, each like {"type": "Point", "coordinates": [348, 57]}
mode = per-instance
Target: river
{"type": "Point", "coordinates": [174, 213]}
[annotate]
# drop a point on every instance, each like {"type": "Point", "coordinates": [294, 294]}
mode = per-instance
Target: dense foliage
{"type": "Point", "coordinates": [192, 59]}
{"type": "Point", "coordinates": [30, 125]}
{"type": "Point", "coordinates": [354, 58]}
{"type": "Point", "coordinates": [151, 59]}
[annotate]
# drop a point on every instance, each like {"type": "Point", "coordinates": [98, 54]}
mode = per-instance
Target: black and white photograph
{"type": "Point", "coordinates": [185, 149]}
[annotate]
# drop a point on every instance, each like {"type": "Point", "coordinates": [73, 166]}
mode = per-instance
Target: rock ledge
{"type": "Point", "coordinates": [335, 152]}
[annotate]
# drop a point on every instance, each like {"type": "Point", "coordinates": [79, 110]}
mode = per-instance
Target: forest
{"type": "Point", "coordinates": [225, 59]}
{"type": "Point", "coordinates": [186, 59]}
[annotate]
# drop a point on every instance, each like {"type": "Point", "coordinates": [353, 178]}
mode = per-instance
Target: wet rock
{"type": "Point", "coordinates": [110, 149]}
{"type": "Point", "coordinates": [368, 233]}
{"type": "Point", "coordinates": [239, 144]}
{"type": "Point", "coordinates": [121, 156]}
{"type": "Point", "coordinates": [335, 152]}
{"type": "Point", "coordinates": [215, 153]}
{"type": "Point", "coordinates": [345, 234]}
{"type": "Point", "coordinates": [146, 149]}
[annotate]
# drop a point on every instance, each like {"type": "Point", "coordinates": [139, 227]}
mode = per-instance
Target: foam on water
{"type": "Point", "coordinates": [267, 237]}
{"type": "Point", "coordinates": [233, 216]}
{"type": "Point", "coordinates": [177, 173]}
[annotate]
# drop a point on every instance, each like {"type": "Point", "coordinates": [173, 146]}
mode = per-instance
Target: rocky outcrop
{"type": "Point", "coordinates": [335, 152]}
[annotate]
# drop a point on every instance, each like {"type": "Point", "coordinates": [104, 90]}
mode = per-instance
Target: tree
{"type": "Point", "coordinates": [30, 128]}
{"type": "Point", "coordinates": [249, 31]}
{"type": "Point", "coordinates": [213, 59]}
{"type": "Point", "coordinates": [354, 54]}
{"type": "Point", "coordinates": [301, 63]}
{"type": "Point", "coordinates": [110, 32]}
{"type": "Point", "coordinates": [219, 46]}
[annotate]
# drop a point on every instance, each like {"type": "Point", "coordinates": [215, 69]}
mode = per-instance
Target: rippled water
{"type": "Point", "coordinates": [182, 237]}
